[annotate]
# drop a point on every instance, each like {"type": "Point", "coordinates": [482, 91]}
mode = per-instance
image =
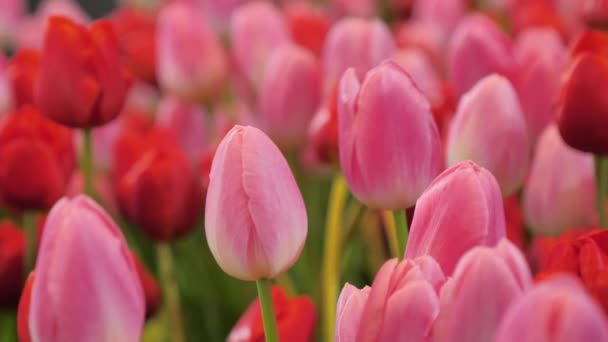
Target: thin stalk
{"type": "Point", "coordinates": [268, 317]}
{"type": "Point", "coordinates": [402, 230]}
{"type": "Point", "coordinates": [391, 234]}
{"type": "Point", "coordinates": [600, 189]}
{"type": "Point", "coordinates": [87, 162]}
{"type": "Point", "coordinates": [29, 225]}
{"type": "Point", "coordinates": [170, 292]}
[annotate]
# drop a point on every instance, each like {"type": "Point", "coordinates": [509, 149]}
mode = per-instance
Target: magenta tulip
{"type": "Point", "coordinates": [290, 94]}
{"type": "Point", "coordinates": [477, 48]}
{"type": "Point", "coordinates": [418, 65]}
{"type": "Point", "coordinates": [556, 310]}
{"type": "Point", "coordinates": [257, 29]}
{"type": "Point", "coordinates": [560, 191]}
{"type": "Point", "coordinates": [440, 227]}
{"type": "Point", "coordinates": [191, 61]}
{"type": "Point", "coordinates": [390, 149]}
{"type": "Point", "coordinates": [489, 128]}
{"type": "Point", "coordinates": [485, 283]}
{"type": "Point", "coordinates": [86, 286]}
{"type": "Point", "coordinates": [355, 43]}
{"type": "Point", "coordinates": [401, 305]}
{"type": "Point", "coordinates": [255, 217]}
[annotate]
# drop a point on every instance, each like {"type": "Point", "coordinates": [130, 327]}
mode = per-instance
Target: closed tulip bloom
{"type": "Point", "coordinates": [485, 283]}
{"type": "Point", "coordinates": [440, 229]}
{"type": "Point", "coordinates": [401, 305]}
{"type": "Point", "coordinates": [560, 190]}
{"type": "Point", "coordinates": [556, 310]}
{"type": "Point", "coordinates": [37, 158]}
{"type": "Point", "coordinates": [593, 41]}
{"type": "Point", "coordinates": [256, 30]}
{"type": "Point", "coordinates": [416, 63]}
{"type": "Point", "coordinates": [191, 62]}
{"type": "Point", "coordinates": [86, 286]}
{"type": "Point", "coordinates": [22, 73]}
{"type": "Point", "coordinates": [489, 128]}
{"type": "Point", "coordinates": [477, 48]}
{"type": "Point", "coordinates": [308, 25]}
{"type": "Point", "coordinates": [80, 89]}
{"type": "Point", "coordinates": [255, 218]}
{"type": "Point", "coordinates": [289, 95]}
{"type": "Point", "coordinates": [355, 43]}
{"type": "Point", "coordinates": [390, 148]}
{"type": "Point", "coordinates": [12, 251]}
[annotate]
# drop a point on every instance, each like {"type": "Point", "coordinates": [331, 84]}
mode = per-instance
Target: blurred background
{"type": "Point", "coordinates": [95, 8]}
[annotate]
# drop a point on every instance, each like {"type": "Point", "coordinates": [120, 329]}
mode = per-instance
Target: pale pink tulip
{"type": "Point", "coordinates": [461, 209]}
{"type": "Point", "coordinates": [541, 57]}
{"type": "Point", "coordinates": [86, 286]}
{"type": "Point", "coordinates": [444, 13]}
{"type": "Point", "coordinates": [401, 305]}
{"type": "Point", "coordinates": [390, 149]}
{"type": "Point", "coordinates": [255, 217]}
{"type": "Point", "coordinates": [560, 191]}
{"type": "Point", "coordinates": [418, 65]}
{"type": "Point", "coordinates": [485, 283]}
{"type": "Point", "coordinates": [555, 310]}
{"type": "Point", "coordinates": [478, 48]}
{"type": "Point", "coordinates": [257, 29]}
{"type": "Point", "coordinates": [290, 94]}
{"type": "Point", "coordinates": [191, 61]}
{"type": "Point", "coordinates": [489, 128]}
{"type": "Point", "coordinates": [363, 8]}
{"type": "Point", "coordinates": [358, 43]}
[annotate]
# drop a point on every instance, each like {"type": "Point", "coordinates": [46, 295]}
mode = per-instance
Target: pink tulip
{"type": "Point", "coordinates": [86, 286]}
{"type": "Point", "coordinates": [556, 310]}
{"type": "Point", "coordinates": [478, 48]}
{"type": "Point", "coordinates": [188, 122]}
{"type": "Point", "coordinates": [485, 283]}
{"type": "Point", "coordinates": [364, 8]}
{"type": "Point", "coordinates": [425, 36]}
{"type": "Point", "coordinates": [489, 128]}
{"type": "Point", "coordinates": [401, 305]}
{"type": "Point", "coordinates": [445, 13]}
{"type": "Point", "coordinates": [541, 56]}
{"type": "Point", "coordinates": [255, 217]}
{"type": "Point", "coordinates": [390, 148]}
{"type": "Point", "coordinates": [560, 191]}
{"type": "Point", "coordinates": [218, 12]}
{"type": "Point", "coordinates": [6, 89]}
{"type": "Point", "coordinates": [418, 65]}
{"type": "Point", "coordinates": [257, 29]}
{"type": "Point", "coordinates": [191, 61]}
{"type": "Point", "coordinates": [290, 94]}
{"type": "Point", "coordinates": [358, 43]}
{"type": "Point", "coordinates": [461, 209]}
{"type": "Point", "coordinates": [11, 12]}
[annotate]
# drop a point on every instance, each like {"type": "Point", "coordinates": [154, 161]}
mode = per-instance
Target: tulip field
{"type": "Point", "coordinates": [304, 170]}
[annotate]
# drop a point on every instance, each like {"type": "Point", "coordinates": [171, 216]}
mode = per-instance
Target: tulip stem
{"type": "Point", "coordinates": [29, 224]}
{"type": "Point", "coordinates": [87, 162]}
{"type": "Point", "coordinates": [391, 234]}
{"type": "Point", "coordinates": [170, 292]}
{"type": "Point", "coordinates": [331, 254]}
{"type": "Point", "coordinates": [268, 317]}
{"type": "Point", "coordinates": [402, 230]}
{"type": "Point", "coordinates": [600, 189]}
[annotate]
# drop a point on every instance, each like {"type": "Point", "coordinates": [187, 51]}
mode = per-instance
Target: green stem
{"type": "Point", "coordinates": [391, 234]}
{"type": "Point", "coordinates": [29, 224]}
{"type": "Point", "coordinates": [402, 230]}
{"type": "Point", "coordinates": [170, 292]}
{"type": "Point", "coordinates": [268, 317]}
{"type": "Point", "coordinates": [87, 162]}
{"type": "Point", "coordinates": [332, 250]}
{"type": "Point", "coordinates": [600, 189]}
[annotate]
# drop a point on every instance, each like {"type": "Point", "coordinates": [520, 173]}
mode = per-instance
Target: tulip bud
{"type": "Point", "coordinates": [560, 191]}
{"type": "Point", "coordinates": [289, 95]}
{"type": "Point", "coordinates": [485, 283]}
{"type": "Point", "coordinates": [358, 43]}
{"type": "Point", "coordinates": [86, 285]}
{"type": "Point", "coordinates": [295, 319]}
{"type": "Point", "coordinates": [255, 218]}
{"type": "Point", "coordinates": [401, 305]}
{"type": "Point", "coordinates": [554, 310]}
{"type": "Point", "coordinates": [445, 13]}
{"type": "Point", "coordinates": [30, 144]}
{"type": "Point", "coordinates": [80, 89]}
{"type": "Point", "coordinates": [489, 128]}
{"type": "Point", "coordinates": [257, 29]}
{"type": "Point", "coordinates": [390, 148]}
{"type": "Point", "coordinates": [478, 48]}
{"type": "Point", "coordinates": [308, 25]}
{"type": "Point", "coordinates": [22, 73]}
{"type": "Point", "coordinates": [416, 63]}
{"type": "Point", "coordinates": [191, 61]}
{"type": "Point", "coordinates": [441, 230]}
{"type": "Point", "coordinates": [12, 250]}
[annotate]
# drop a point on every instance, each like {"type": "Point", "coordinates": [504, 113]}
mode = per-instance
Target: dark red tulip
{"type": "Point", "coordinates": [295, 320]}
{"type": "Point", "coordinates": [12, 249]}
{"type": "Point", "coordinates": [37, 158]}
{"type": "Point", "coordinates": [81, 82]}
{"type": "Point", "coordinates": [22, 72]}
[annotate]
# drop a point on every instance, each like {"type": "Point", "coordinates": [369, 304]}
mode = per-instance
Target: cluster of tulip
{"type": "Point", "coordinates": [396, 170]}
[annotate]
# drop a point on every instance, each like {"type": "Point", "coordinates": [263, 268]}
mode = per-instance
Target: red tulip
{"type": "Point", "coordinates": [322, 146]}
{"type": "Point", "coordinates": [308, 26]}
{"type": "Point", "coordinates": [150, 287]}
{"type": "Point", "coordinates": [22, 72]}
{"type": "Point", "coordinates": [81, 82]}
{"type": "Point", "coordinates": [37, 158]}
{"type": "Point", "coordinates": [592, 41]}
{"type": "Point", "coordinates": [12, 249]}
{"type": "Point", "coordinates": [23, 313]}
{"type": "Point", "coordinates": [295, 316]}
